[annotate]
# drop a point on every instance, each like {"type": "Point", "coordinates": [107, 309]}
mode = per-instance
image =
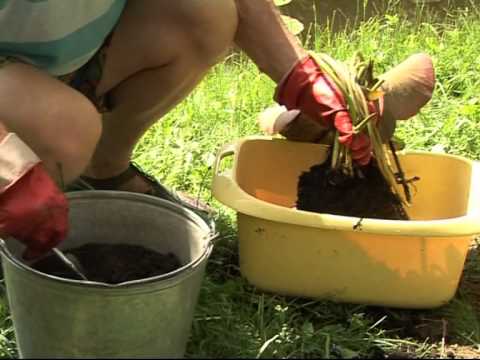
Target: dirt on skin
{"type": "Point", "coordinates": [111, 264]}
{"type": "Point", "coordinates": [366, 195]}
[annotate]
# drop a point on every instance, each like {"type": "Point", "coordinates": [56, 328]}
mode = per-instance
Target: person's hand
{"type": "Point", "coordinates": [293, 125]}
{"type": "Point", "coordinates": [309, 89]}
{"type": "Point", "coordinates": [33, 210]}
{"type": "Point", "coordinates": [406, 88]}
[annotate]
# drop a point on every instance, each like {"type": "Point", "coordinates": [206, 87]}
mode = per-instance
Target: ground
{"type": "Point", "coordinates": [233, 319]}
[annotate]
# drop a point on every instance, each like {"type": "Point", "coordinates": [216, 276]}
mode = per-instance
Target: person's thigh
{"type": "Point", "coordinates": [58, 123]}
{"type": "Point", "coordinates": [153, 33]}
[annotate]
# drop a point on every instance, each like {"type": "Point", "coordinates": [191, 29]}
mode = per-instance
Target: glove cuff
{"type": "Point", "coordinates": [16, 159]}
{"type": "Point", "coordinates": [294, 79]}
{"type": "Point", "coordinates": [276, 118]}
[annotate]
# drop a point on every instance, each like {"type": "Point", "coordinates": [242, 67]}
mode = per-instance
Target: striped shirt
{"type": "Point", "coordinates": [58, 36]}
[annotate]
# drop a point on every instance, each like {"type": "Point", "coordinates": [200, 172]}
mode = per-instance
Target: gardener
{"type": "Point", "coordinates": [81, 81]}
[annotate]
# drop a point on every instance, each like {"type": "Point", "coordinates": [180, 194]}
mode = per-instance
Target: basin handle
{"type": "Point", "coordinates": [226, 150]}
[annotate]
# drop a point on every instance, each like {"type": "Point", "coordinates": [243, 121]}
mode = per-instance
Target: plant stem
{"type": "Point", "coordinates": [359, 127]}
{"type": "Point", "coordinates": [356, 88]}
{"type": "Point", "coordinates": [336, 151]}
{"type": "Point", "coordinates": [401, 174]}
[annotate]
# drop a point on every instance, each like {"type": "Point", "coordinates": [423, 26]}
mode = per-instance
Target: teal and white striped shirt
{"type": "Point", "coordinates": [58, 36]}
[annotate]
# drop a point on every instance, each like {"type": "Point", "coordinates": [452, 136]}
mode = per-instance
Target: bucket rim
{"type": "Point", "coordinates": [209, 237]}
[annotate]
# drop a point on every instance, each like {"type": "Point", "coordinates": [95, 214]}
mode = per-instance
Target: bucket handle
{"type": "Point", "coordinates": [4, 249]}
{"type": "Point", "coordinates": [213, 237]}
{"type": "Point", "coordinates": [226, 150]}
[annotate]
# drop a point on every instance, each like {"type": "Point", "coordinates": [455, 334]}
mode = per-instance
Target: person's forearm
{"type": "Point", "coordinates": [263, 36]}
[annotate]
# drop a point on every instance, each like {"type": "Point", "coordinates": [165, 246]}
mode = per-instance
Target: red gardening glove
{"type": "Point", "coordinates": [35, 212]}
{"type": "Point", "coordinates": [308, 89]}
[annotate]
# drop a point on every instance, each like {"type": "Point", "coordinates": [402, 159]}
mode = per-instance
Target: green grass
{"type": "Point", "coordinates": [235, 320]}
{"type": "Point", "coordinates": [7, 343]}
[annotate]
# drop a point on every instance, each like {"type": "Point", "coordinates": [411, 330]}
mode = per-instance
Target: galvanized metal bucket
{"type": "Point", "coordinates": [55, 317]}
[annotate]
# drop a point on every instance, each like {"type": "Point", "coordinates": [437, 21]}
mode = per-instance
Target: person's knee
{"type": "Point", "coordinates": [59, 124]}
{"type": "Point", "coordinates": [200, 30]}
{"type": "Point", "coordinates": [212, 26]}
{"type": "Point", "coordinates": [153, 34]}
{"type": "Point", "coordinates": [75, 147]}
{"type": "Point", "coordinates": [68, 141]}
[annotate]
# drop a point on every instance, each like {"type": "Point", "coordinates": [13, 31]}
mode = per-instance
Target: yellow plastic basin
{"type": "Point", "coordinates": [408, 264]}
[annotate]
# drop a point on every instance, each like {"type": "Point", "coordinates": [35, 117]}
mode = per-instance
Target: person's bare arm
{"type": "Point", "coordinates": [263, 36]}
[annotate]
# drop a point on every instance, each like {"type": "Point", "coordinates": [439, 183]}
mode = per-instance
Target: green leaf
{"type": "Point", "coordinates": [295, 26]}
{"type": "Point", "coordinates": [347, 353]}
{"type": "Point", "coordinates": [307, 329]}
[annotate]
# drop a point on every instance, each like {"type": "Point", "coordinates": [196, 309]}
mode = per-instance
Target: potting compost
{"type": "Point", "coordinates": [324, 190]}
{"type": "Point", "coordinates": [111, 264]}
{"type": "Point", "coordinates": [361, 187]}
{"type": "Point", "coordinates": [346, 106]}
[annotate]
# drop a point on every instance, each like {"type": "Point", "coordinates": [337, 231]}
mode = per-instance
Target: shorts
{"type": "Point", "coordinates": [85, 79]}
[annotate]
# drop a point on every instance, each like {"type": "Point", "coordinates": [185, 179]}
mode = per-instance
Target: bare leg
{"type": "Point", "coordinates": [158, 54]}
{"type": "Point", "coordinates": [59, 124]}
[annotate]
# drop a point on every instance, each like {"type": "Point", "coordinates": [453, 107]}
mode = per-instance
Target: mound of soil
{"type": "Point", "coordinates": [112, 264]}
{"type": "Point", "coordinates": [368, 195]}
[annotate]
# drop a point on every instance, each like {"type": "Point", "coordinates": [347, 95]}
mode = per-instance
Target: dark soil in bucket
{"type": "Point", "coordinates": [112, 264]}
{"type": "Point", "coordinates": [366, 195]}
